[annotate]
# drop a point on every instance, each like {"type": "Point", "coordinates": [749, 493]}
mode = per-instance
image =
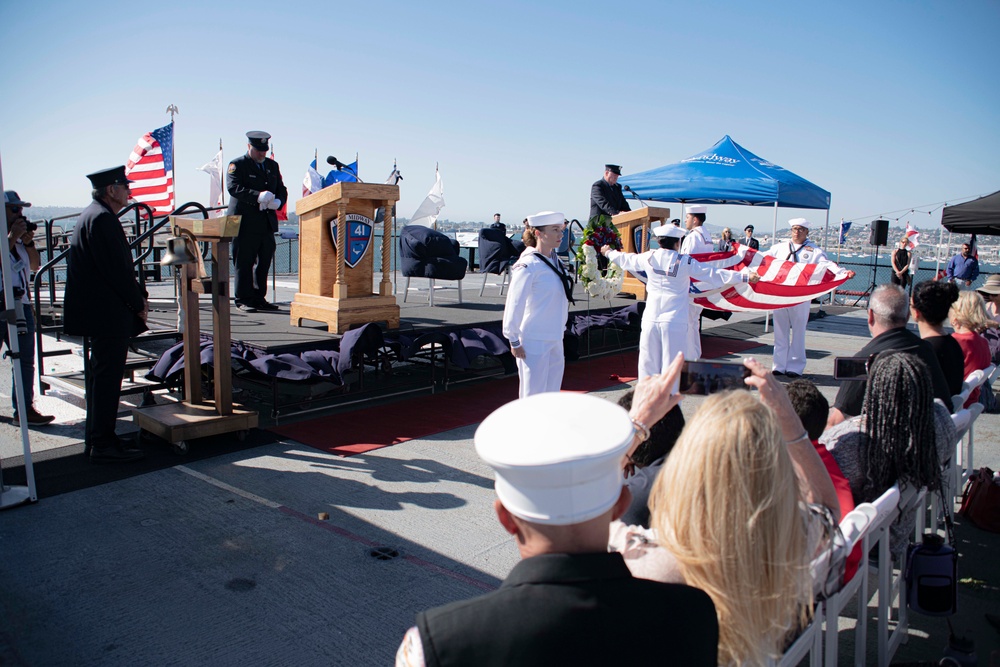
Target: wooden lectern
{"type": "Point", "coordinates": [197, 417]}
{"type": "Point", "coordinates": [336, 287]}
{"type": "Point", "coordinates": [627, 223]}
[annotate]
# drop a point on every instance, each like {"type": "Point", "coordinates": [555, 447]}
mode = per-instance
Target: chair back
{"type": "Point", "coordinates": [495, 249]}
{"type": "Point", "coordinates": [427, 253]}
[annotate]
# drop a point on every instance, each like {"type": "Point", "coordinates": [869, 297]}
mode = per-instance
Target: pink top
{"type": "Point", "coordinates": [976, 351]}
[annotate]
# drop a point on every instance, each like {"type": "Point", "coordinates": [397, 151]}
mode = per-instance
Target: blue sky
{"type": "Point", "coordinates": [888, 105]}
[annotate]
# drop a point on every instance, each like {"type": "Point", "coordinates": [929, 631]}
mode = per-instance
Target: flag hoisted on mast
{"type": "Point", "coordinates": [151, 168]}
{"type": "Point", "coordinates": [912, 237]}
{"type": "Point", "coordinates": [845, 226]}
{"type": "Point", "coordinates": [216, 190]}
{"type": "Point", "coordinates": [426, 214]}
{"type": "Point", "coordinates": [313, 181]}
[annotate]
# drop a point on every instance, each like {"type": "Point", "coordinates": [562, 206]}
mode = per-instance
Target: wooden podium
{"type": "Point", "coordinates": [336, 287]}
{"type": "Point", "coordinates": [627, 223]}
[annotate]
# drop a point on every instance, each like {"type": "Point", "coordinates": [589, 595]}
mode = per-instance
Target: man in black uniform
{"type": "Point", "coordinates": [568, 601]}
{"type": "Point", "coordinates": [256, 192]}
{"type": "Point", "coordinates": [753, 243]}
{"type": "Point", "coordinates": [606, 195]}
{"type": "Point", "coordinates": [105, 303]}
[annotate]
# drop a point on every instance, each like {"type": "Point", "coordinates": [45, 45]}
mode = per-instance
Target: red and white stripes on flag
{"type": "Point", "coordinates": [782, 283]}
{"type": "Point", "coordinates": [912, 237]}
{"type": "Point", "coordinates": [151, 166]}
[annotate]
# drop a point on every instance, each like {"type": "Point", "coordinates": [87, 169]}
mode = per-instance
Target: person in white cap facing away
{"type": "Point", "coordinates": [568, 601]}
{"type": "Point", "coordinates": [534, 317]}
{"type": "Point", "coordinates": [790, 323]}
{"type": "Point", "coordinates": [697, 240]}
{"type": "Point", "coordinates": [668, 278]}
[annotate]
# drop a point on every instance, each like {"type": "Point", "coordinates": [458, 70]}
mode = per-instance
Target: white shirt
{"type": "Point", "coordinates": [668, 280]}
{"type": "Point", "coordinates": [21, 267]}
{"type": "Point", "coordinates": [697, 240]}
{"type": "Point", "coordinates": [807, 253]}
{"type": "Point", "coordinates": [536, 306]}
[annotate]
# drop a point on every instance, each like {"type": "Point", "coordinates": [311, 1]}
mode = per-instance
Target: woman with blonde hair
{"type": "Point", "coordinates": [726, 240]}
{"type": "Point", "coordinates": [969, 319]}
{"type": "Point", "coordinates": [739, 510]}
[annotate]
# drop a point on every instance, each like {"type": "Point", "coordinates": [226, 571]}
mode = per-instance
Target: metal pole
{"type": "Point", "coordinates": [12, 496]}
{"type": "Point", "coordinates": [774, 238]}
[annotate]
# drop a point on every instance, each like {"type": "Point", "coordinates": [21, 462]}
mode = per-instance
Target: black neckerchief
{"type": "Point", "coordinates": [566, 281]}
{"type": "Point", "coordinates": [794, 254]}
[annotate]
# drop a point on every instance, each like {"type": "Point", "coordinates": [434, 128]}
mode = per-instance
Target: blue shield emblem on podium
{"type": "Point", "coordinates": [359, 237]}
{"type": "Point", "coordinates": [637, 239]}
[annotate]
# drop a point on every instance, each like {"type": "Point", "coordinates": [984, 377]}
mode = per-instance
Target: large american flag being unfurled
{"type": "Point", "coordinates": [782, 283]}
{"type": "Point", "coordinates": [151, 166]}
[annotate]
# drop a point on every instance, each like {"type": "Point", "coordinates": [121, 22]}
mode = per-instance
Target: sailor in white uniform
{"type": "Point", "coordinates": [534, 317]}
{"type": "Point", "coordinates": [668, 278]}
{"type": "Point", "coordinates": [697, 240]}
{"type": "Point", "coordinates": [790, 357]}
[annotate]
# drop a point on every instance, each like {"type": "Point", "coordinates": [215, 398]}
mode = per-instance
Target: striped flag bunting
{"type": "Point", "coordinates": [151, 166]}
{"type": "Point", "coordinates": [782, 283]}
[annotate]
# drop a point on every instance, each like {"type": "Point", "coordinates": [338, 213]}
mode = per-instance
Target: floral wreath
{"type": "Point", "coordinates": [601, 279]}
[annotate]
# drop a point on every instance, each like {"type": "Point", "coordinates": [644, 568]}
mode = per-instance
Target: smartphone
{"type": "Point", "coordinates": [850, 368]}
{"type": "Point", "coordinates": [708, 377]}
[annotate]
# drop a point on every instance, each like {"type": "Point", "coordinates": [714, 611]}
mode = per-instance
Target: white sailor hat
{"type": "Point", "coordinates": [697, 208]}
{"type": "Point", "coordinates": [551, 470]}
{"type": "Point", "coordinates": [668, 230]}
{"type": "Point", "coordinates": [798, 222]}
{"type": "Point", "coordinates": [546, 218]}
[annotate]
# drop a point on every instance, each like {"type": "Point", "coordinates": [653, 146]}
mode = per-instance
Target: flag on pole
{"type": "Point", "coordinates": [151, 166]}
{"type": "Point", "coordinates": [426, 214]}
{"type": "Point", "coordinates": [313, 181]}
{"type": "Point", "coordinates": [974, 247]}
{"type": "Point", "coordinates": [912, 237]}
{"type": "Point", "coordinates": [348, 173]}
{"type": "Point", "coordinates": [845, 225]}
{"type": "Point", "coordinates": [782, 283]}
{"type": "Point", "coordinates": [394, 177]}
{"type": "Point", "coordinates": [214, 170]}
{"type": "Point", "coordinates": [282, 212]}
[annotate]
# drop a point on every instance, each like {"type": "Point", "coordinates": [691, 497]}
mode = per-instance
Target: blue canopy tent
{"type": "Point", "coordinates": [727, 173]}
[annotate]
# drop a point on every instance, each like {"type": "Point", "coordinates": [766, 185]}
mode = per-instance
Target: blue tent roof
{"type": "Point", "coordinates": [727, 173]}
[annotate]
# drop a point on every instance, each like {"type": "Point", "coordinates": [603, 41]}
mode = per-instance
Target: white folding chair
{"type": "Point", "coordinates": [964, 464]}
{"type": "Point", "coordinates": [856, 526]}
{"type": "Point", "coordinates": [430, 291]}
{"type": "Point", "coordinates": [891, 587]}
{"type": "Point", "coordinates": [809, 642]}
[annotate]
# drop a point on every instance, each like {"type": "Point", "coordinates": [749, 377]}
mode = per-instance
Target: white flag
{"type": "Point", "coordinates": [912, 237]}
{"type": "Point", "coordinates": [214, 171]}
{"type": "Point", "coordinates": [427, 213]}
{"type": "Point", "coordinates": [313, 181]}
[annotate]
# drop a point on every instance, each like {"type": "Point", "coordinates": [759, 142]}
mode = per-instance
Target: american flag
{"type": "Point", "coordinates": [782, 283]}
{"type": "Point", "coordinates": [151, 166]}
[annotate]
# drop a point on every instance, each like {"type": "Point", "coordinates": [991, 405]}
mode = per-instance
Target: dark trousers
{"type": "Point", "coordinates": [104, 386]}
{"type": "Point", "coordinates": [902, 282]}
{"type": "Point", "coordinates": [252, 255]}
{"type": "Point", "coordinates": [26, 348]}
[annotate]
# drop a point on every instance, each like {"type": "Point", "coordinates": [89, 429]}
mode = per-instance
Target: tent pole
{"type": "Point", "coordinates": [774, 238]}
{"type": "Point", "coordinates": [826, 231]}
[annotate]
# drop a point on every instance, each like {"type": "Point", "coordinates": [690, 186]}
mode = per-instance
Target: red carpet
{"type": "Point", "coordinates": [372, 428]}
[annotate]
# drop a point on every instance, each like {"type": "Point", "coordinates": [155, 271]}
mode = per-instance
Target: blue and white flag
{"type": "Point", "coordinates": [313, 181]}
{"type": "Point", "coordinates": [844, 226]}
{"type": "Point", "coordinates": [348, 173]}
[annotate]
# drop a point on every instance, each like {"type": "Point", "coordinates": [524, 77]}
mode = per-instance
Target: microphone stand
{"type": "Point", "coordinates": [635, 196]}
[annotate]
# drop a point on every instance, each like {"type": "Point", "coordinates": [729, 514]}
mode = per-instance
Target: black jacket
{"type": "Point", "coordinates": [245, 181]}
{"type": "Point", "coordinates": [102, 294]}
{"type": "Point", "coordinates": [607, 199]}
{"type": "Point", "coordinates": [573, 609]}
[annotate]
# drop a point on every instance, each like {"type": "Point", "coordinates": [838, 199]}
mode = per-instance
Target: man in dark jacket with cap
{"type": "Point", "coordinates": [751, 242]}
{"type": "Point", "coordinates": [104, 303]}
{"type": "Point", "coordinates": [257, 192]}
{"type": "Point", "coordinates": [606, 195]}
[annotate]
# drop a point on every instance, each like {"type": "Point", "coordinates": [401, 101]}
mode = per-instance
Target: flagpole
{"type": "Point", "coordinates": [222, 179]}
{"type": "Point", "coordinates": [172, 110]}
{"type": "Point", "coordinates": [395, 264]}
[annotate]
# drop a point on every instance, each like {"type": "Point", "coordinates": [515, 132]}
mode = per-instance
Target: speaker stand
{"type": "Point", "coordinates": [872, 284]}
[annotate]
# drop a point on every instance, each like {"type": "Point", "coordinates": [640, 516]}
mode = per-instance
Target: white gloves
{"type": "Point", "coordinates": [275, 204]}
{"type": "Point", "coordinates": [264, 199]}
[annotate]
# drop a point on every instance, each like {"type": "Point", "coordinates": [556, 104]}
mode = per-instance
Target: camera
{"type": "Point", "coordinates": [32, 226]}
{"type": "Point", "coordinates": [708, 377]}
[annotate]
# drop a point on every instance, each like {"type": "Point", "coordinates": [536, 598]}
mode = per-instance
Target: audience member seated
{"type": "Point", "coordinates": [990, 291]}
{"type": "Point", "coordinates": [813, 409]}
{"type": "Point", "coordinates": [929, 307]}
{"type": "Point", "coordinates": [569, 601]}
{"type": "Point", "coordinates": [969, 319]}
{"type": "Point", "coordinates": [888, 312]}
{"type": "Point", "coordinates": [647, 460]}
{"type": "Point", "coordinates": [740, 508]}
{"type": "Point", "coordinates": [427, 253]}
{"type": "Point", "coordinates": [902, 437]}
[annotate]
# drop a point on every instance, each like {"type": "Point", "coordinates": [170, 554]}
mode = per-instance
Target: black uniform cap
{"type": "Point", "coordinates": [613, 168]}
{"type": "Point", "coordinates": [258, 139]}
{"type": "Point", "coordinates": [100, 179]}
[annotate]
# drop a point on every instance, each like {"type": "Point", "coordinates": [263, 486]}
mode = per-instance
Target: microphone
{"type": "Point", "coordinates": [633, 193]}
{"type": "Point", "coordinates": [331, 160]}
{"type": "Point", "coordinates": [335, 162]}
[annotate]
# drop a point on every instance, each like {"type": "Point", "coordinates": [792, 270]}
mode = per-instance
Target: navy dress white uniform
{"type": "Point", "coordinates": [790, 323]}
{"type": "Point", "coordinates": [668, 277]}
{"type": "Point", "coordinates": [535, 314]}
{"type": "Point", "coordinates": [256, 192]}
{"type": "Point", "coordinates": [697, 240]}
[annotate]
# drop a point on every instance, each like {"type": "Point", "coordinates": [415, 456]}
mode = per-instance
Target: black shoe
{"type": "Point", "coordinates": [777, 373]}
{"type": "Point", "coordinates": [115, 453]}
{"type": "Point", "coordinates": [264, 305]}
{"type": "Point", "coordinates": [35, 418]}
{"type": "Point", "coordinates": [792, 376]}
{"type": "Point", "coordinates": [246, 308]}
